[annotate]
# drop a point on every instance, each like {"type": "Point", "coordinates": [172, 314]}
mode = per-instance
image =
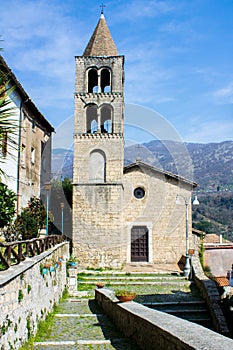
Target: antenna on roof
{"type": "Point", "coordinates": [102, 8]}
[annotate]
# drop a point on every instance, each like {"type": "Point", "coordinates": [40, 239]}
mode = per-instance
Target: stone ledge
{"type": "Point", "coordinates": [99, 136]}
{"type": "Point", "coordinates": [152, 329]}
{"type": "Point", "coordinates": [210, 293]}
{"type": "Point", "coordinates": [7, 275]}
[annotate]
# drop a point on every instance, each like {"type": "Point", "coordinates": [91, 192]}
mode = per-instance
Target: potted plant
{"type": "Point", "coordinates": [100, 284]}
{"type": "Point", "coordinates": [72, 260]}
{"type": "Point", "coordinates": [48, 264]}
{"type": "Point", "coordinates": [125, 295]}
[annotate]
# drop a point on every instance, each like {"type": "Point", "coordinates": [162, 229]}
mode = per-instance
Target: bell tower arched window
{"type": "Point", "coordinates": [99, 81]}
{"type": "Point", "coordinates": [91, 119]}
{"type": "Point", "coordinates": [105, 78]}
{"type": "Point", "coordinates": [97, 166]}
{"type": "Point", "coordinates": [106, 119]}
{"type": "Point", "coordinates": [93, 80]}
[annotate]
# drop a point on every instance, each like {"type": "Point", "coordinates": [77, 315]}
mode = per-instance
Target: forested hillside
{"type": "Point", "coordinates": [214, 214]}
{"type": "Point", "coordinates": [210, 165]}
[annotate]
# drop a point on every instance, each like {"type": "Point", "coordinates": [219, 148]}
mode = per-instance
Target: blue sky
{"type": "Point", "coordinates": [178, 59]}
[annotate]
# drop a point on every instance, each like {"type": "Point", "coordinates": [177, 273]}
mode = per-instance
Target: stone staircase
{"type": "Point", "coordinates": [193, 311]}
{"type": "Point", "coordinates": [169, 293]}
{"type": "Point", "coordinates": [79, 323]}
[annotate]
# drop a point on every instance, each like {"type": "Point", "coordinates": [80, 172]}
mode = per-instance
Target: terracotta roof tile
{"type": "Point", "coordinates": [222, 281]}
{"type": "Point", "coordinates": [101, 42]}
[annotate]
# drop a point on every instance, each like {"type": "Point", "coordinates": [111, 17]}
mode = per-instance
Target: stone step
{"type": "Point", "coordinates": [128, 275]}
{"type": "Point", "coordinates": [184, 311]}
{"type": "Point", "coordinates": [130, 278]}
{"type": "Point", "coordinates": [178, 303]}
{"type": "Point", "coordinates": [115, 343]}
{"type": "Point", "coordinates": [81, 324]}
{"type": "Point", "coordinates": [134, 283]}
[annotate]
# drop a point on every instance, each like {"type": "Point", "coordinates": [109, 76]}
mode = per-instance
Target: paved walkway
{"type": "Point", "coordinates": [80, 324]}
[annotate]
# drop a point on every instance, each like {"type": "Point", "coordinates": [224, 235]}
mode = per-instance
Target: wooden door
{"type": "Point", "coordinates": [139, 243]}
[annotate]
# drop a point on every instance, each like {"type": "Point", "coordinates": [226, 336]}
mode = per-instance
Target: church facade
{"type": "Point", "coordinates": [121, 215]}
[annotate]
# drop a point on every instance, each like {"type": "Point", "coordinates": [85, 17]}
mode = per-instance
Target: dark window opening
{"type": "Point", "coordinates": [92, 80]}
{"type": "Point", "coordinates": [139, 193]}
{"type": "Point", "coordinates": [91, 119]}
{"type": "Point", "coordinates": [105, 80]}
{"type": "Point", "coordinates": [106, 119]}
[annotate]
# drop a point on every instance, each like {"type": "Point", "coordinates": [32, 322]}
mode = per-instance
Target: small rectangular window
{"type": "Point", "coordinates": [23, 155]}
{"type": "Point", "coordinates": [33, 125]}
{"type": "Point", "coordinates": [33, 155]}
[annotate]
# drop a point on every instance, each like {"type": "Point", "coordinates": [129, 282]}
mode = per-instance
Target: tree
{"type": "Point", "coordinates": [31, 219]}
{"type": "Point", "coordinates": [28, 223]}
{"type": "Point", "coordinates": [37, 209]}
{"type": "Point", "coordinates": [8, 126]}
{"type": "Point", "coordinates": [68, 190]}
{"type": "Point", "coordinates": [7, 205]}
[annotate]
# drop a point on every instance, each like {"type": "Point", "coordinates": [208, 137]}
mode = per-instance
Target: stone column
{"type": "Point", "coordinates": [98, 121]}
{"type": "Point", "coordinates": [72, 281]}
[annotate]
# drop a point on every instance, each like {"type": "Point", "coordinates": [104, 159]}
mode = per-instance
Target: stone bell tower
{"type": "Point", "coordinates": [98, 151]}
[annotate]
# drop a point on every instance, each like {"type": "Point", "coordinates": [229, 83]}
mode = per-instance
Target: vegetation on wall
{"type": "Point", "coordinates": [8, 126]}
{"type": "Point", "coordinates": [28, 223]}
{"type": "Point", "coordinates": [7, 205]}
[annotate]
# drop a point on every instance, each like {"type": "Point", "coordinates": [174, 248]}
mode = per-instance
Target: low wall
{"type": "Point", "coordinates": [26, 296]}
{"type": "Point", "coordinates": [222, 254]}
{"type": "Point", "coordinates": [211, 295]}
{"type": "Point", "coordinates": [152, 329]}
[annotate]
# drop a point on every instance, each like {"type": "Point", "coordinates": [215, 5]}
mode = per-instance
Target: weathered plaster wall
{"type": "Point", "coordinates": [224, 257]}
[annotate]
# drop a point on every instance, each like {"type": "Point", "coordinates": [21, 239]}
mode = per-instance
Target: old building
{"type": "Point", "coordinates": [28, 164]}
{"type": "Point", "coordinates": [121, 215]}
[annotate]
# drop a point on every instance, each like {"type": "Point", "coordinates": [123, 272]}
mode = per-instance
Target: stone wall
{"type": "Point", "coordinates": [97, 225]}
{"type": "Point", "coordinates": [211, 295]}
{"type": "Point", "coordinates": [158, 211]}
{"type": "Point", "coordinates": [26, 296]}
{"type": "Point", "coordinates": [152, 329]}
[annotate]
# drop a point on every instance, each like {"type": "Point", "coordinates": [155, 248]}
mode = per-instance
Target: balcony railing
{"type": "Point", "coordinates": [13, 253]}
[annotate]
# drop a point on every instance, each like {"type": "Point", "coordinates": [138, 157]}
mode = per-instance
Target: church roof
{"type": "Point", "coordinates": [141, 164]}
{"type": "Point", "coordinates": [101, 42]}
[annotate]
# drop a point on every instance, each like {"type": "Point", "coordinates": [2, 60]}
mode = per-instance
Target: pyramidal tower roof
{"type": "Point", "coordinates": [101, 42]}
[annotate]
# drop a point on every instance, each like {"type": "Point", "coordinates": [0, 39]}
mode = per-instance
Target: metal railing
{"type": "Point", "coordinates": [13, 253]}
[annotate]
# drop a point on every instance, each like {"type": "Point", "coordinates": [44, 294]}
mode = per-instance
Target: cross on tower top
{"type": "Point", "coordinates": [102, 8]}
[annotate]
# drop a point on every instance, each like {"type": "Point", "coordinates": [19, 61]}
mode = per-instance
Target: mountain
{"type": "Point", "coordinates": [62, 163]}
{"type": "Point", "coordinates": [210, 165]}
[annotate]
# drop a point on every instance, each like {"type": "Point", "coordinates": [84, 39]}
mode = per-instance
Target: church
{"type": "Point", "coordinates": [122, 215]}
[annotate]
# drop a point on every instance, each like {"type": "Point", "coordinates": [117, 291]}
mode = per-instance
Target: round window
{"type": "Point", "coordinates": [139, 192]}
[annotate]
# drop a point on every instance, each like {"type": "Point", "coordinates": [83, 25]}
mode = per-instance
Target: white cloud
{"type": "Point", "coordinates": [212, 131]}
{"type": "Point", "coordinates": [224, 95]}
{"type": "Point", "coordinates": [134, 9]}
